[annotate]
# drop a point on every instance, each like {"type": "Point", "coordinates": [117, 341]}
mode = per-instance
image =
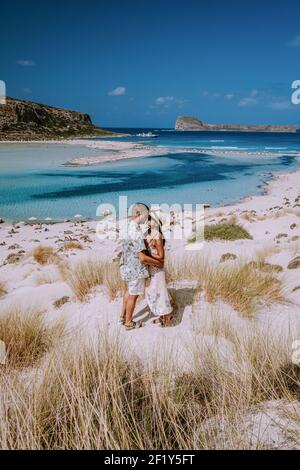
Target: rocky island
{"type": "Point", "coordinates": [190, 123]}
{"type": "Point", "coordinates": [26, 120]}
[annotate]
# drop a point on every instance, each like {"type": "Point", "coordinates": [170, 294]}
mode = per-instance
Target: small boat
{"type": "Point", "coordinates": [146, 134]}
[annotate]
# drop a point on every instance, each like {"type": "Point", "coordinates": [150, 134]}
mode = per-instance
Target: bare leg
{"type": "Point", "coordinates": [129, 308]}
{"type": "Point", "coordinates": [123, 311]}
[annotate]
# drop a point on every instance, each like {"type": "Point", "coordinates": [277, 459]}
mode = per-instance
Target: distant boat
{"type": "Point", "coordinates": [146, 134]}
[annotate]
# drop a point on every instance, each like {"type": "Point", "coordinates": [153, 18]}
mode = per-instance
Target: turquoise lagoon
{"type": "Point", "coordinates": [35, 183]}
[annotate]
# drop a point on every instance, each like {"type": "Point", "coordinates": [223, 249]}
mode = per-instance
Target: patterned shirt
{"type": "Point", "coordinates": [131, 268]}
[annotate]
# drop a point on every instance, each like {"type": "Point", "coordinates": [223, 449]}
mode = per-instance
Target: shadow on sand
{"type": "Point", "coordinates": [180, 298]}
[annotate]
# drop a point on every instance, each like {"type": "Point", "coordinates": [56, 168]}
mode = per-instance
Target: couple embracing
{"type": "Point", "coordinates": [142, 268]}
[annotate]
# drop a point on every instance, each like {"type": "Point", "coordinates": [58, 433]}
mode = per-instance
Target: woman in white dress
{"type": "Point", "coordinates": [157, 295]}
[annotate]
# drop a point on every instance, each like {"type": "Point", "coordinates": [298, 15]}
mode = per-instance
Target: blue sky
{"type": "Point", "coordinates": [141, 63]}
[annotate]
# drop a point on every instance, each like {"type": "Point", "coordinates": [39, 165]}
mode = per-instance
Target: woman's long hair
{"type": "Point", "coordinates": [158, 223]}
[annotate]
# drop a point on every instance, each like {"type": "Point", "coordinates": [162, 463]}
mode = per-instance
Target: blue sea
{"type": "Point", "coordinates": [35, 183]}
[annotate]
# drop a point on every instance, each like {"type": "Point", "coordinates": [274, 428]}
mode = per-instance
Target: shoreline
{"type": "Point", "coordinates": [267, 191]}
{"type": "Point", "coordinates": [119, 151]}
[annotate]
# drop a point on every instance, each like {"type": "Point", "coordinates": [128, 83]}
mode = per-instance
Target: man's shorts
{"type": "Point", "coordinates": [136, 287]}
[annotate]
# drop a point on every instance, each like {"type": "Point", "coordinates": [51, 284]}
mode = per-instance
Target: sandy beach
{"type": "Point", "coordinates": [272, 220]}
{"type": "Point", "coordinates": [127, 150]}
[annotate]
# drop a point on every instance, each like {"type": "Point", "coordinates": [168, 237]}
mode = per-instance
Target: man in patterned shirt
{"type": "Point", "coordinates": [133, 263]}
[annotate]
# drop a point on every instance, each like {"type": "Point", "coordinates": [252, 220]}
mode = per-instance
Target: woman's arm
{"type": "Point", "coordinates": [149, 260]}
{"type": "Point", "coordinates": [160, 250]}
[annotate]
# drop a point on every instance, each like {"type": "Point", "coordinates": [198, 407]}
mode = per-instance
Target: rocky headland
{"type": "Point", "coordinates": [190, 123]}
{"type": "Point", "coordinates": [26, 120]}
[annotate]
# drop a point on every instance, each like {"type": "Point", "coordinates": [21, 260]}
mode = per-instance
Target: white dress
{"type": "Point", "coordinates": [157, 295]}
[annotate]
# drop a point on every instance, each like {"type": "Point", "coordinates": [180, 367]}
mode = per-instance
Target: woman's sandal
{"type": "Point", "coordinates": [166, 322]}
{"type": "Point", "coordinates": [158, 321]}
{"type": "Point", "coordinates": [133, 325]}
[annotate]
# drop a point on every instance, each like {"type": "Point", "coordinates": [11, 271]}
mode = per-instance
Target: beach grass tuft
{"type": "Point", "coordinates": [239, 284]}
{"type": "Point", "coordinates": [90, 273]}
{"type": "Point", "coordinates": [223, 231]}
{"type": "Point", "coordinates": [44, 255]}
{"type": "Point", "coordinates": [92, 397]}
{"type": "Point", "coordinates": [3, 290]}
{"type": "Point", "coordinates": [72, 245]}
{"type": "Point", "coordinates": [27, 336]}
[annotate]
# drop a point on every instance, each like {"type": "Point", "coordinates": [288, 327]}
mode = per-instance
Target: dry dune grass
{"type": "Point", "coordinates": [89, 273]}
{"type": "Point", "coordinates": [2, 289]}
{"type": "Point", "coordinates": [262, 356]}
{"type": "Point", "coordinates": [93, 397]}
{"type": "Point", "coordinates": [26, 335]}
{"type": "Point", "coordinates": [72, 245]}
{"type": "Point", "coordinates": [45, 255]}
{"type": "Point", "coordinates": [227, 230]}
{"type": "Point", "coordinates": [48, 276]}
{"type": "Point", "coordinates": [242, 287]}
{"type": "Point", "coordinates": [238, 284]}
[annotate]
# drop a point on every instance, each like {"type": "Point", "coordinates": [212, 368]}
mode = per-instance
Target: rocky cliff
{"type": "Point", "coordinates": [25, 120]}
{"type": "Point", "coordinates": [189, 123]}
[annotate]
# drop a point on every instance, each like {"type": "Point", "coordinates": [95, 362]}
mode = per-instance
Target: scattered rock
{"type": "Point", "coordinates": [14, 247]}
{"type": "Point", "coordinates": [266, 267]}
{"type": "Point", "coordinates": [295, 263]}
{"type": "Point", "coordinates": [106, 213]}
{"type": "Point", "coordinates": [281, 235]}
{"type": "Point", "coordinates": [60, 302]}
{"type": "Point", "coordinates": [293, 226]}
{"type": "Point", "coordinates": [86, 238]}
{"type": "Point", "coordinates": [227, 257]}
{"type": "Point", "coordinates": [13, 258]}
